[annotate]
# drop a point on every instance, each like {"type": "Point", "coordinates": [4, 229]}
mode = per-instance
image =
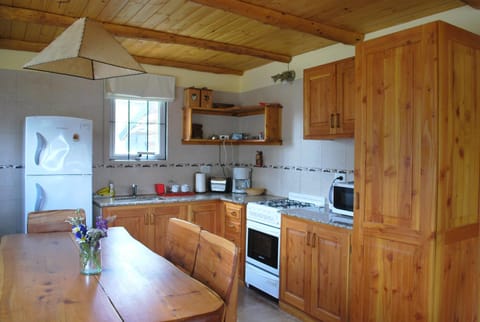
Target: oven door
{"type": "Point", "coordinates": [263, 246]}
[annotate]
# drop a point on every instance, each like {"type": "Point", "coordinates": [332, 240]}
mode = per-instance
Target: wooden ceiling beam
{"type": "Point", "coordinates": [39, 17]}
{"type": "Point", "coordinates": [37, 47]}
{"type": "Point", "coordinates": [473, 3]}
{"type": "Point", "coordinates": [185, 65]}
{"type": "Point", "coordinates": [284, 20]}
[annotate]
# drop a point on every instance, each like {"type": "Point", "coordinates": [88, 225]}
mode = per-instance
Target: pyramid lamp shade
{"type": "Point", "coordinates": [87, 50]}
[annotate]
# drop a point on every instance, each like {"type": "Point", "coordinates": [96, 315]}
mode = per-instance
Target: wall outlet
{"type": "Point", "coordinates": [340, 177]}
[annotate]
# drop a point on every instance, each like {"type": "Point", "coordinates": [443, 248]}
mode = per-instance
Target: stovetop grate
{"type": "Point", "coordinates": [285, 203]}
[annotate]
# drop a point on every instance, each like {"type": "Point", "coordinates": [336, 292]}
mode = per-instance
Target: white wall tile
{"type": "Point", "coordinates": [33, 93]}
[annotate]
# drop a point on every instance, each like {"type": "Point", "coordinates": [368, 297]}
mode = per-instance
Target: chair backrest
{"type": "Point", "coordinates": [216, 264]}
{"type": "Point", "coordinates": [51, 220]}
{"type": "Point", "coordinates": [182, 244]}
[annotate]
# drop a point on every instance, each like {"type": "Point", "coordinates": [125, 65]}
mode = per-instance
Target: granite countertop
{"type": "Point", "coordinates": [154, 199]}
{"type": "Point", "coordinates": [317, 214]}
{"type": "Point", "coordinates": [321, 215]}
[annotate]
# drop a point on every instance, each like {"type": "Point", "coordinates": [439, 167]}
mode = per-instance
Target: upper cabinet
{"type": "Point", "coordinates": [328, 98]}
{"type": "Point", "coordinates": [207, 125]}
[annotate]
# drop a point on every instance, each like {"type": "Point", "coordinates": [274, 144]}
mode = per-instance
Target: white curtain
{"type": "Point", "coordinates": [146, 86]}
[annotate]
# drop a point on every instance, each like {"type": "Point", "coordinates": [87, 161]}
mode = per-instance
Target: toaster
{"type": "Point", "coordinates": [220, 184]}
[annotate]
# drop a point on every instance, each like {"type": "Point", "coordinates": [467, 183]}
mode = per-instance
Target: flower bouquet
{"type": "Point", "coordinates": [88, 240]}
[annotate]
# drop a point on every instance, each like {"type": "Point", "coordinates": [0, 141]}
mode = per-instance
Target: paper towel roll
{"type": "Point", "coordinates": [200, 182]}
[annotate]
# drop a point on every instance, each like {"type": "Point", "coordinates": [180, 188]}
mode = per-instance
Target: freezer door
{"type": "Point", "coordinates": [58, 192]}
{"type": "Point", "coordinates": [58, 145]}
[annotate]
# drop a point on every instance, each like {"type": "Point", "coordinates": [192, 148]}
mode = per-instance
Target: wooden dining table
{"type": "Point", "coordinates": [40, 280]}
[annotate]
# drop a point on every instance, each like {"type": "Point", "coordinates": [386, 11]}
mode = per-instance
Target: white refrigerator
{"type": "Point", "coordinates": [58, 164]}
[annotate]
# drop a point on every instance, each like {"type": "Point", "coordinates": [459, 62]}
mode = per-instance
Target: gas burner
{"type": "Point", "coordinates": [285, 203]}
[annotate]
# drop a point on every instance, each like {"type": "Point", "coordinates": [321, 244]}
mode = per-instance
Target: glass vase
{"type": "Point", "coordinates": [90, 258]}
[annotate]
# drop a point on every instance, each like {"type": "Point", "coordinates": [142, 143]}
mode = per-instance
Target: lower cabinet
{"type": "Point", "coordinates": [204, 214]}
{"type": "Point", "coordinates": [147, 224]}
{"type": "Point", "coordinates": [314, 269]}
{"type": "Point", "coordinates": [233, 229]}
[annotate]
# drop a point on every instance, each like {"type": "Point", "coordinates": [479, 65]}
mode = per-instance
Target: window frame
{"type": "Point", "coordinates": [163, 132]}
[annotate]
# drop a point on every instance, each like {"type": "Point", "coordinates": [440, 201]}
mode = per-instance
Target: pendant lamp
{"type": "Point", "coordinates": [87, 50]}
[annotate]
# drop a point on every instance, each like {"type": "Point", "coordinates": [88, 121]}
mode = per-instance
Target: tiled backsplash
{"type": "Point", "coordinates": [304, 166]}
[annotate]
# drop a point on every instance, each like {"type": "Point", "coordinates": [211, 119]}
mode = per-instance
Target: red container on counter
{"type": "Point", "coordinates": [160, 188]}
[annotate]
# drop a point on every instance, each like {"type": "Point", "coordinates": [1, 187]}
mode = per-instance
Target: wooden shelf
{"type": "Point", "coordinates": [234, 142]}
{"type": "Point", "coordinates": [272, 127]}
{"type": "Point", "coordinates": [230, 111]}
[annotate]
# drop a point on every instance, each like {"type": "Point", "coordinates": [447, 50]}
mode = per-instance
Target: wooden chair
{"type": "Point", "coordinates": [51, 220]}
{"type": "Point", "coordinates": [182, 243]}
{"type": "Point", "coordinates": [217, 267]}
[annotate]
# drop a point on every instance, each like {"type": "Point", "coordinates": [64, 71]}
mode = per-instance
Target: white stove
{"type": "Point", "coordinates": [263, 239]}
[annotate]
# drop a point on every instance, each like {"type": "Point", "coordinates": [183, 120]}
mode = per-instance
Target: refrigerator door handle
{"type": "Point", "coordinates": [40, 200]}
{"type": "Point", "coordinates": [41, 143]}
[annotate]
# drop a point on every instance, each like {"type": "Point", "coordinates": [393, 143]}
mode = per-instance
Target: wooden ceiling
{"type": "Point", "coordinates": [218, 36]}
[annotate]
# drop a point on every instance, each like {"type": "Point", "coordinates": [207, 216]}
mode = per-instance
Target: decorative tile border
{"type": "Point", "coordinates": [11, 166]}
{"type": "Point", "coordinates": [130, 165]}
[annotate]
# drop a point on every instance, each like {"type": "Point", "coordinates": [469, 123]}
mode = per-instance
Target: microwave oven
{"type": "Point", "coordinates": [342, 198]}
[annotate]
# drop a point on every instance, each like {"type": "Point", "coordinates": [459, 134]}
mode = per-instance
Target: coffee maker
{"type": "Point", "coordinates": [241, 180]}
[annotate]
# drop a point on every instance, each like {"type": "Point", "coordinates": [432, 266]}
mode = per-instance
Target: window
{"type": "Point", "coordinates": [138, 129]}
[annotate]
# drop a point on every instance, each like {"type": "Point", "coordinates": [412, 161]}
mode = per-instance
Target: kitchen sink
{"type": "Point", "coordinates": [138, 198]}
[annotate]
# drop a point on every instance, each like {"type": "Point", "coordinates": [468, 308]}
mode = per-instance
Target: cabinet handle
{"type": "Point", "coordinates": [145, 218]}
{"type": "Point", "coordinates": [152, 219]}
{"type": "Point", "coordinates": [313, 239]}
{"type": "Point", "coordinates": [308, 238]}
{"type": "Point", "coordinates": [332, 121]}
{"type": "Point", "coordinates": [356, 201]}
{"type": "Point", "coordinates": [338, 120]}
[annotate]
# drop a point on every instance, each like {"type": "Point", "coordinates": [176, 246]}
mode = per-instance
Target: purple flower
{"type": "Point", "coordinates": [86, 235]}
{"type": "Point", "coordinates": [101, 223]}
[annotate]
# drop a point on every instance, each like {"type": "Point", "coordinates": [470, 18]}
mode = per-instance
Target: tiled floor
{"type": "Point", "coordinates": [253, 306]}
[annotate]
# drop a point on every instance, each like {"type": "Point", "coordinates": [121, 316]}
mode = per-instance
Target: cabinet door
{"type": "Point", "coordinates": [396, 150]}
{"type": "Point", "coordinates": [345, 112]}
{"type": "Point", "coordinates": [204, 214]}
{"type": "Point", "coordinates": [329, 274]}
{"type": "Point", "coordinates": [159, 217]}
{"type": "Point", "coordinates": [457, 285]}
{"type": "Point", "coordinates": [319, 86]}
{"type": "Point", "coordinates": [233, 228]}
{"type": "Point", "coordinates": [295, 263]}
{"type": "Point", "coordinates": [133, 218]}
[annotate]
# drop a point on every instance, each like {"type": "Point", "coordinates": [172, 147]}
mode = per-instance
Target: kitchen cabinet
{"type": "Point", "coordinates": [148, 224]}
{"type": "Point", "coordinates": [204, 214]}
{"type": "Point", "coordinates": [417, 167]}
{"type": "Point", "coordinates": [271, 125]}
{"type": "Point", "coordinates": [233, 229]}
{"type": "Point", "coordinates": [314, 269]}
{"type": "Point", "coordinates": [328, 100]}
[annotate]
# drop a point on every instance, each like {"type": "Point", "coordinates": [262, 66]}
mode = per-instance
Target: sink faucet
{"type": "Point", "coordinates": [134, 190]}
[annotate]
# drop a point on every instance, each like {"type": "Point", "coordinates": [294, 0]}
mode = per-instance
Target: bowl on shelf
{"type": "Point", "coordinates": [255, 191]}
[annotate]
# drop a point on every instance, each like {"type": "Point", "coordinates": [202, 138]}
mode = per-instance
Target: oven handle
{"type": "Point", "coordinates": [263, 228]}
